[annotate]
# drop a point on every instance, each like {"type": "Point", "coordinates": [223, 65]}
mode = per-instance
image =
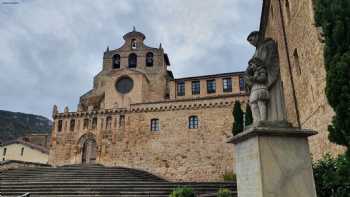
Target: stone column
{"type": "Point", "coordinates": [274, 162]}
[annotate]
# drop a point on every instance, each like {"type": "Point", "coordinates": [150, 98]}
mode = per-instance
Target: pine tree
{"type": "Point", "coordinates": [334, 18]}
{"type": "Point", "coordinates": [238, 117]}
{"type": "Point", "coordinates": [248, 116]}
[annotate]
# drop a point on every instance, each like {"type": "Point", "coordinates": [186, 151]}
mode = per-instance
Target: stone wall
{"type": "Point", "coordinates": [302, 62]}
{"type": "Point", "coordinates": [13, 164]}
{"type": "Point", "coordinates": [174, 153]}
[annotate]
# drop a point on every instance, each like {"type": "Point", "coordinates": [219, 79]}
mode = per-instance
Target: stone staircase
{"type": "Point", "coordinates": [94, 180]}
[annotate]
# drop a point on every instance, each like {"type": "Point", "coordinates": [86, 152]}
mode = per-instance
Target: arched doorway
{"type": "Point", "coordinates": [89, 152]}
{"type": "Point", "coordinates": [88, 148]}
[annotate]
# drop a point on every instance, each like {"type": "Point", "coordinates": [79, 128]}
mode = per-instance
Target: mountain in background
{"type": "Point", "coordinates": [15, 124]}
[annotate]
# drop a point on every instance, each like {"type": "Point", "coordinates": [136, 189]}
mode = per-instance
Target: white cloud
{"type": "Point", "coordinates": [50, 50]}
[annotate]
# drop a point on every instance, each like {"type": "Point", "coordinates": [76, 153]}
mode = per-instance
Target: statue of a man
{"type": "Point", "coordinates": [266, 54]}
{"type": "Point", "coordinates": [256, 80]}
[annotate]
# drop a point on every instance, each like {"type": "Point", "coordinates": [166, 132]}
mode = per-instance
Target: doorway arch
{"type": "Point", "coordinates": [88, 148]}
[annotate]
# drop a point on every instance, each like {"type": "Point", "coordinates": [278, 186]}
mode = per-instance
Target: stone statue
{"type": "Point", "coordinates": [264, 81]}
{"type": "Point", "coordinates": [256, 79]}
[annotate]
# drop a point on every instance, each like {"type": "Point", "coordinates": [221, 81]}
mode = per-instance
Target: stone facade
{"type": "Point", "coordinates": [300, 46]}
{"type": "Point", "coordinates": [139, 116]}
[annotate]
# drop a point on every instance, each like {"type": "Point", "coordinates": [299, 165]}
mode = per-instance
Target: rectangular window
{"type": "Point", "coordinates": [4, 153]}
{"type": "Point", "coordinates": [59, 125]}
{"type": "Point", "coordinates": [241, 84]}
{"type": "Point", "coordinates": [155, 125]}
{"type": "Point", "coordinates": [22, 151]}
{"type": "Point", "coordinates": [86, 124]}
{"type": "Point", "coordinates": [72, 125]}
{"type": "Point", "coordinates": [193, 122]}
{"type": "Point", "coordinates": [211, 86]}
{"type": "Point", "coordinates": [227, 85]}
{"type": "Point", "coordinates": [196, 87]}
{"type": "Point", "coordinates": [181, 88]}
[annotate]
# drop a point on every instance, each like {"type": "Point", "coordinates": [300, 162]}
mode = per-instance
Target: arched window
{"type": "Point", "coordinates": [121, 121]}
{"type": "Point", "coordinates": [109, 122]}
{"type": "Point", "coordinates": [116, 61]}
{"type": "Point", "coordinates": [94, 123]}
{"type": "Point", "coordinates": [86, 124]}
{"type": "Point", "coordinates": [149, 59]}
{"type": "Point", "coordinates": [132, 60]}
{"type": "Point", "coordinates": [72, 124]}
{"type": "Point", "coordinates": [193, 122]}
{"type": "Point", "coordinates": [155, 125]}
{"type": "Point", "coordinates": [59, 125]}
{"type": "Point", "coordinates": [133, 44]}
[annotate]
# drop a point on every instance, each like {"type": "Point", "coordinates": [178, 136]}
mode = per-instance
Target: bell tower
{"type": "Point", "coordinates": [133, 73]}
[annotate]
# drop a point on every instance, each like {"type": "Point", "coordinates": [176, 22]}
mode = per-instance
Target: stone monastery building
{"type": "Point", "coordinates": [138, 115]}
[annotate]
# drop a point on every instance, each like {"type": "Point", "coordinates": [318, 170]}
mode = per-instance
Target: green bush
{"type": "Point", "coordinates": [224, 193]}
{"type": "Point", "coordinates": [182, 192]}
{"type": "Point", "coordinates": [332, 176]}
{"type": "Point", "coordinates": [229, 176]}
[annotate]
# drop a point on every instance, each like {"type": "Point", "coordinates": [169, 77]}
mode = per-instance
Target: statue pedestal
{"type": "Point", "coordinates": [274, 161]}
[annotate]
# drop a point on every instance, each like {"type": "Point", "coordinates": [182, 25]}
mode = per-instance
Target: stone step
{"type": "Point", "coordinates": [75, 181]}
{"type": "Point", "coordinates": [92, 193]}
{"type": "Point", "coordinates": [66, 172]}
{"type": "Point", "coordinates": [109, 185]}
{"type": "Point", "coordinates": [79, 175]}
{"type": "Point", "coordinates": [74, 170]}
{"type": "Point", "coordinates": [62, 179]}
{"type": "Point", "coordinates": [89, 195]}
{"type": "Point", "coordinates": [49, 193]}
{"type": "Point", "coordinates": [23, 188]}
{"type": "Point", "coordinates": [40, 186]}
{"type": "Point", "coordinates": [101, 189]}
{"type": "Point", "coordinates": [122, 183]}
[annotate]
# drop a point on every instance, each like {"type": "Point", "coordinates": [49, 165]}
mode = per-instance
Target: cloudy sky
{"type": "Point", "coordinates": [51, 49]}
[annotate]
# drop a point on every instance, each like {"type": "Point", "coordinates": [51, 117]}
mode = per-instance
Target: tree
{"type": "Point", "coordinates": [248, 116]}
{"type": "Point", "coordinates": [238, 117]}
{"type": "Point", "coordinates": [334, 18]}
{"type": "Point", "coordinates": [332, 176]}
